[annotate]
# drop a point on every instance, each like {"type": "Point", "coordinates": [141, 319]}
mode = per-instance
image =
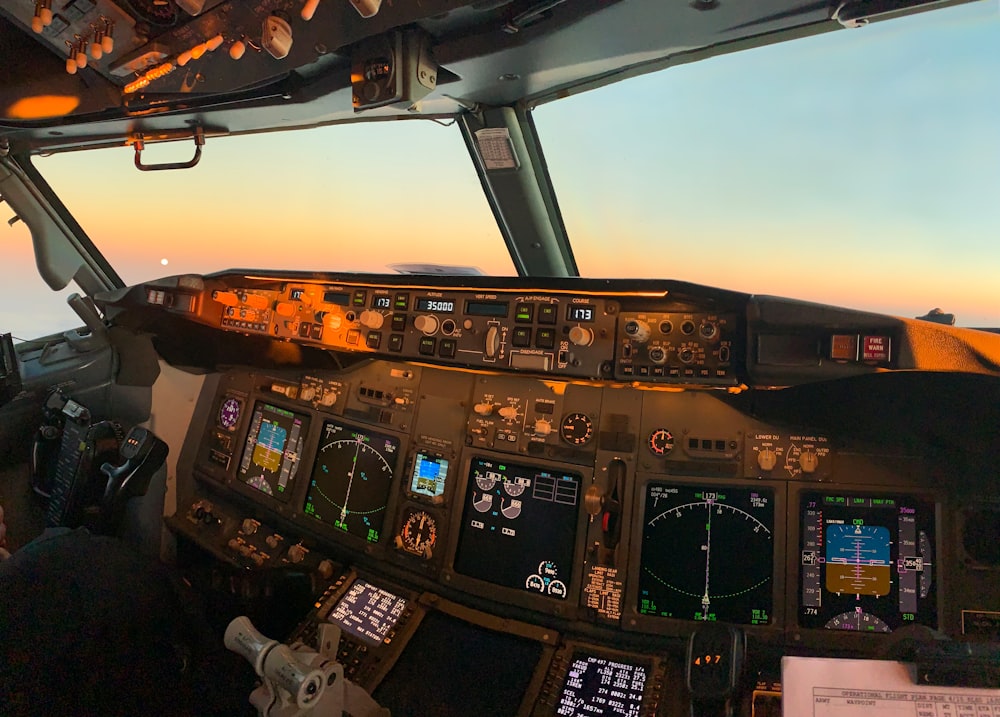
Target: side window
{"type": "Point", "coordinates": [29, 309]}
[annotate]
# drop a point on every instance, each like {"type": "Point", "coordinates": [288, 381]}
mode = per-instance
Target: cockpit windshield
{"type": "Point", "coordinates": [851, 168]}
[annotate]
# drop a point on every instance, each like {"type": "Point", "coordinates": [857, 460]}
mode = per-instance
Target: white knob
{"type": "Point", "coordinates": [581, 336]}
{"type": "Point", "coordinates": [766, 459]}
{"type": "Point", "coordinates": [371, 319]}
{"type": "Point", "coordinates": [332, 321]}
{"type": "Point", "coordinates": [492, 342]}
{"type": "Point", "coordinates": [483, 409]}
{"type": "Point", "coordinates": [508, 412]}
{"type": "Point", "coordinates": [426, 323]}
{"type": "Point", "coordinates": [542, 427]}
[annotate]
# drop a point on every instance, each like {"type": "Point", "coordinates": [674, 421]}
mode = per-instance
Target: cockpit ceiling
{"type": "Point", "coordinates": [103, 68]}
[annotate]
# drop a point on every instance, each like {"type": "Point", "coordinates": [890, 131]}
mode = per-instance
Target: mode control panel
{"type": "Point", "coordinates": [591, 329]}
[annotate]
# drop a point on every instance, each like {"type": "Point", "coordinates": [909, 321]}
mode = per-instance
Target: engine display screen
{"type": "Point", "coordinates": [367, 612]}
{"type": "Point", "coordinates": [519, 527]}
{"type": "Point", "coordinates": [596, 686]}
{"type": "Point", "coordinates": [866, 562]}
{"type": "Point", "coordinates": [351, 478]}
{"type": "Point", "coordinates": [273, 450]}
{"type": "Point", "coordinates": [429, 475]}
{"type": "Point", "coordinates": [707, 553]}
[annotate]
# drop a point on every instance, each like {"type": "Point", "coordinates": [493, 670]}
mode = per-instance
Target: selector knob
{"type": "Point", "coordinates": [272, 541]}
{"type": "Point", "coordinates": [330, 320]}
{"type": "Point", "coordinates": [542, 427]}
{"type": "Point", "coordinates": [483, 409]}
{"type": "Point", "coordinates": [297, 553]}
{"type": "Point", "coordinates": [581, 336]}
{"type": "Point", "coordinates": [767, 459]}
{"type": "Point", "coordinates": [284, 308]}
{"type": "Point", "coordinates": [325, 569]}
{"type": "Point", "coordinates": [372, 319]}
{"type": "Point", "coordinates": [637, 330]}
{"type": "Point", "coordinates": [808, 461]}
{"type": "Point", "coordinates": [426, 323]}
{"type": "Point", "coordinates": [508, 412]}
{"type": "Point", "coordinates": [249, 526]}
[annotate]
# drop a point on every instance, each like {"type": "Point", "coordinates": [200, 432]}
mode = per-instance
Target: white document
{"type": "Point", "coordinates": [819, 687]}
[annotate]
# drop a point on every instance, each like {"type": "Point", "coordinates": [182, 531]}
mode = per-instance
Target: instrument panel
{"type": "Point", "coordinates": [638, 511]}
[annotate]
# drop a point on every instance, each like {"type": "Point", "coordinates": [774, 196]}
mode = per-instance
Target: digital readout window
{"type": "Point", "coordinates": [368, 612]}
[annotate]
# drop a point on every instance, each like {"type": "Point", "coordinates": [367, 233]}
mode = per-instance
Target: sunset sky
{"type": "Point", "coordinates": [858, 168]}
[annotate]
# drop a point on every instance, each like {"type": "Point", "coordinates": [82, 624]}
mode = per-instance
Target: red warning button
{"type": "Point", "coordinates": [875, 348]}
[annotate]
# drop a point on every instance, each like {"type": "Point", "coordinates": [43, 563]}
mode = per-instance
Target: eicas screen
{"type": "Point", "coordinates": [519, 527]}
{"type": "Point", "coordinates": [272, 452]}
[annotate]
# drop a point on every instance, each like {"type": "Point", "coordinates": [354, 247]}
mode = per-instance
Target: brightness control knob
{"type": "Point", "coordinates": [426, 324]}
{"type": "Point", "coordinates": [637, 330]}
{"type": "Point", "coordinates": [371, 319]}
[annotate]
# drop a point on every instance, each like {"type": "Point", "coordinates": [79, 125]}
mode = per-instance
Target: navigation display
{"type": "Point", "coordinates": [707, 553]}
{"type": "Point", "coordinates": [367, 612]}
{"type": "Point", "coordinates": [519, 527]}
{"type": "Point", "coordinates": [429, 476]}
{"type": "Point", "coordinates": [866, 562]}
{"type": "Point", "coordinates": [597, 686]}
{"type": "Point", "coordinates": [351, 479]}
{"type": "Point", "coordinates": [273, 450]}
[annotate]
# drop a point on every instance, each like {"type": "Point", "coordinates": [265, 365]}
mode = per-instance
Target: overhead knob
{"type": "Point", "coordinates": [766, 459]}
{"type": "Point", "coordinates": [371, 319]}
{"type": "Point", "coordinates": [426, 323]}
{"type": "Point", "coordinates": [581, 336]}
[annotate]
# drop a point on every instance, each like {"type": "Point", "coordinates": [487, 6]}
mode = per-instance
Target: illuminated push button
{"type": "Point", "coordinates": [371, 319]}
{"type": "Point", "coordinates": [581, 336]}
{"type": "Point", "coordinates": [844, 347]}
{"type": "Point", "coordinates": [522, 336]}
{"type": "Point", "coordinates": [545, 338]}
{"type": "Point", "coordinates": [875, 348]}
{"type": "Point", "coordinates": [427, 345]}
{"type": "Point", "coordinates": [373, 340]}
{"type": "Point", "coordinates": [426, 324]}
{"type": "Point", "coordinates": [447, 348]}
{"type": "Point", "coordinates": [547, 314]}
{"type": "Point", "coordinates": [396, 342]}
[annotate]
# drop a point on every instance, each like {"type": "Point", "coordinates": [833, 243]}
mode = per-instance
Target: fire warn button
{"type": "Point", "coordinates": [875, 348]}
